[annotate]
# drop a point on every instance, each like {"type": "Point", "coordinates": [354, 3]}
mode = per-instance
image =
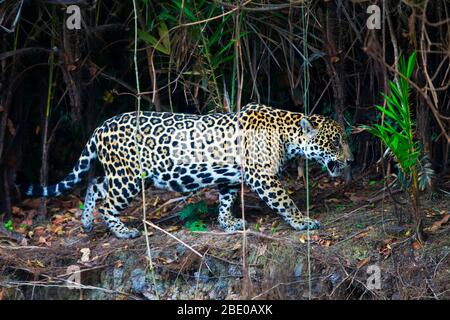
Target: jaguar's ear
{"type": "Point", "coordinates": [307, 128]}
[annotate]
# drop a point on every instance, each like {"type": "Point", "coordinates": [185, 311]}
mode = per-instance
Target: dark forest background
{"type": "Point", "coordinates": [57, 85]}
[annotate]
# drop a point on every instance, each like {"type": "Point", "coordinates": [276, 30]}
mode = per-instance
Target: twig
{"type": "Point", "coordinates": [45, 284]}
{"type": "Point", "coordinates": [348, 214]}
{"type": "Point", "coordinates": [151, 224]}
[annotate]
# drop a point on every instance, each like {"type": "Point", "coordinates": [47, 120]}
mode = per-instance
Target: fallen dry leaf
{"type": "Point", "coordinates": [38, 231]}
{"type": "Point", "coordinates": [363, 262]}
{"type": "Point", "coordinates": [42, 240]}
{"type": "Point", "coordinates": [386, 248]}
{"type": "Point", "coordinates": [384, 251]}
{"type": "Point", "coordinates": [173, 228]}
{"type": "Point", "coordinates": [438, 224]}
{"type": "Point", "coordinates": [237, 246]}
{"type": "Point", "coordinates": [35, 263]}
{"type": "Point", "coordinates": [74, 210]}
{"type": "Point", "coordinates": [58, 229]}
{"type": "Point", "coordinates": [165, 260]}
{"type": "Point", "coordinates": [58, 219]}
{"type": "Point", "coordinates": [362, 234]}
{"type": "Point", "coordinates": [322, 186]}
{"type": "Point", "coordinates": [303, 238]}
{"type": "Point", "coordinates": [417, 245]}
{"type": "Point", "coordinates": [17, 211]}
{"type": "Point", "coordinates": [325, 243]}
{"type": "Point", "coordinates": [354, 198]}
{"type": "Point", "coordinates": [433, 212]}
{"type": "Point", "coordinates": [320, 241]}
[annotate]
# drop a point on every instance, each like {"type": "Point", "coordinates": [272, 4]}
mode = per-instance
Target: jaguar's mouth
{"type": "Point", "coordinates": [334, 168]}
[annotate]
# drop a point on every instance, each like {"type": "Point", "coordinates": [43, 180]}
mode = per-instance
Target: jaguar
{"type": "Point", "coordinates": [187, 152]}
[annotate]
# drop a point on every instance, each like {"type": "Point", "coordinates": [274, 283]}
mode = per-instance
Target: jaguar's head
{"type": "Point", "coordinates": [324, 140]}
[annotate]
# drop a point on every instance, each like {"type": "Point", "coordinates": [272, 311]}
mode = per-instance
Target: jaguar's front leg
{"type": "Point", "coordinates": [269, 189]}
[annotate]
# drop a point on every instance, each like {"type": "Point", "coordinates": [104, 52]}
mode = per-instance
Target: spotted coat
{"type": "Point", "coordinates": [184, 153]}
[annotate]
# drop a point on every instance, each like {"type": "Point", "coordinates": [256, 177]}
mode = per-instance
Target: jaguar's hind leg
{"type": "Point", "coordinates": [96, 191]}
{"type": "Point", "coordinates": [116, 202]}
{"type": "Point", "coordinates": [227, 196]}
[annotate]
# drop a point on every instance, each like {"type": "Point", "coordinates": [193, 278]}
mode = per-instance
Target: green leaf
{"type": "Point", "coordinates": [166, 16]}
{"type": "Point", "coordinates": [197, 225]}
{"type": "Point", "coordinates": [186, 11]}
{"type": "Point", "coordinates": [217, 62]}
{"type": "Point", "coordinates": [193, 210]}
{"type": "Point", "coordinates": [151, 40]}
{"type": "Point", "coordinates": [219, 33]}
{"type": "Point", "coordinates": [411, 64]}
{"type": "Point", "coordinates": [395, 89]}
{"type": "Point", "coordinates": [394, 143]}
{"type": "Point", "coordinates": [8, 224]}
{"type": "Point", "coordinates": [387, 112]}
{"type": "Point", "coordinates": [164, 35]}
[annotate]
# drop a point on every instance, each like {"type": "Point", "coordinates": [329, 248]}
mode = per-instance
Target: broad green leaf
{"type": "Point", "coordinates": [387, 112]}
{"type": "Point", "coordinates": [394, 143]}
{"type": "Point", "coordinates": [164, 35]}
{"type": "Point", "coordinates": [411, 64]}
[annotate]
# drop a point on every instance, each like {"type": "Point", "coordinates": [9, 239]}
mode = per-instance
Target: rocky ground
{"type": "Point", "coordinates": [360, 235]}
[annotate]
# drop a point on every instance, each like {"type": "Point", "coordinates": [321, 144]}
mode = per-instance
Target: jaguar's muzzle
{"type": "Point", "coordinates": [335, 168]}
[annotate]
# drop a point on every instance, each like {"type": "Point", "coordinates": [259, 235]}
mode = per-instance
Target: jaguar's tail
{"type": "Point", "coordinates": [79, 171]}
